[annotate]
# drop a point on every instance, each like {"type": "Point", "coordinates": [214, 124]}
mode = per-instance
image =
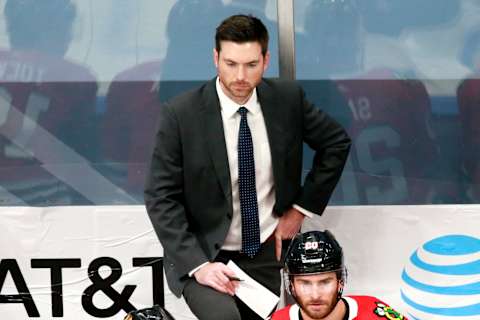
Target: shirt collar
{"type": "Point", "coordinates": [230, 107]}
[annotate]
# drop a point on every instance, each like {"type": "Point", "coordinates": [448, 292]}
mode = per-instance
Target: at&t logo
{"type": "Point", "coordinates": [442, 279]}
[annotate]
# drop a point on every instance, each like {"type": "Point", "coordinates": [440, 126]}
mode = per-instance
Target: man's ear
{"type": "Point", "coordinates": [215, 57]}
{"type": "Point", "coordinates": [266, 60]}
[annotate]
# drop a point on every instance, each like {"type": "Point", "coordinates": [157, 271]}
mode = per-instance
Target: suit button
{"type": "Point", "coordinates": [217, 246]}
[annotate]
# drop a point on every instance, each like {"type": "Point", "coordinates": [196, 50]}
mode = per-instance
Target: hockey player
{"type": "Point", "coordinates": [315, 277]}
{"type": "Point", "coordinates": [47, 107]}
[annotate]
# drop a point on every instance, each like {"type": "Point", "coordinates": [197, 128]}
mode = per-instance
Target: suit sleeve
{"type": "Point", "coordinates": [331, 144]}
{"type": "Point", "coordinates": [164, 197]}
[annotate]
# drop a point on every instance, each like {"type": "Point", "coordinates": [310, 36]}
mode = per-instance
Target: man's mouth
{"type": "Point", "coordinates": [317, 305]}
{"type": "Point", "coordinates": [241, 84]}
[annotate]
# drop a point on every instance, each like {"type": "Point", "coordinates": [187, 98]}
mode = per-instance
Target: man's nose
{"type": "Point", "coordinates": [241, 73]}
{"type": "Point", "coordinates": [319, 291]}
{"type": "Point", "coordinates": [316, 293]}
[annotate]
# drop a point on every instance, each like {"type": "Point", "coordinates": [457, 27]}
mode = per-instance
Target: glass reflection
{"type": "Point", "coordinates": [468, 97]}
{"type": "Point", "coordinates": [46, 104]}
{"type": "Point", "coordinates": [403, 123]}
{"type": "Point", "coordinates": [128, 125]}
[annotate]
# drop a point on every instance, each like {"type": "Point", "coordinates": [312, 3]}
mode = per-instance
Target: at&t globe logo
{"type": "Point", "coordinates": [442, 279]}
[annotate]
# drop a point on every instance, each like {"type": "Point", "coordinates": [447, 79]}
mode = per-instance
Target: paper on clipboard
{"type": "Point", "coordinates": [253, 294]}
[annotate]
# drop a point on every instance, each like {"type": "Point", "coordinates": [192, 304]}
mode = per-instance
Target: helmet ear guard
{"type": "Point", "coordinates": [288, 282]}
{"type": "Point", "coordinates": [342, 282]}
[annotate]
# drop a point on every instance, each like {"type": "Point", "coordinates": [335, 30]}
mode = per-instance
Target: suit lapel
{"type": "Point", "coordinates": [214, 134]}
{"type": "Point", "coordinates": [274, 123]}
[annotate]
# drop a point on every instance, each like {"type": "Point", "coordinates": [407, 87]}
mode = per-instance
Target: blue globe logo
{"type": "Point", "coordinates": [442, 279]}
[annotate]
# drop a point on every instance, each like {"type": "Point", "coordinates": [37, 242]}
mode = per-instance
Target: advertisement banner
{"type": "Point", "coordinates": [80, 263]}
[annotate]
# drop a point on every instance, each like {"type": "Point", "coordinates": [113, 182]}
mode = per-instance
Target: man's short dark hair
{"type": "Point", "coordinates": [240, 29]}
{"type": "Point", "coordinates": [33, 24]}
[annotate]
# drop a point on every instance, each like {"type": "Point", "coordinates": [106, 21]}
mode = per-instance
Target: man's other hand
{"type": "Point", "coordinates": [288, 226]}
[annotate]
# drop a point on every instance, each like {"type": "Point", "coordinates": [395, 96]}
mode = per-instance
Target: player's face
{"type": "Point", "coordinates": [317, 295]}
{"type": "Point", "coordinates": [240, 67]}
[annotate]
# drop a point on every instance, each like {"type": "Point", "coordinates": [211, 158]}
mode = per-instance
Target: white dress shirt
{"type": "Point", "coordinates": [263, 166]}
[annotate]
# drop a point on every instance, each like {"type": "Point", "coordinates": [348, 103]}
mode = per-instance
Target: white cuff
{"type": "Point", "coordinates": [303, 211]}
{"type": "Point", "coordinates": [190, 274]}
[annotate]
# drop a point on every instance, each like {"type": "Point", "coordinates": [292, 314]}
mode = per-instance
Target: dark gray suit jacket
{"type": "Point", "coordinates": [188, 191]}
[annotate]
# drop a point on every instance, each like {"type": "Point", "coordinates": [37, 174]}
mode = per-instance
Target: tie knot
{"type": "Point", "coordinates": [243, 111]}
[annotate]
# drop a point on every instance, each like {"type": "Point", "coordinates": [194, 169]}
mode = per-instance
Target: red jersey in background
{"type": "Point", "coordinates": [47, 103]}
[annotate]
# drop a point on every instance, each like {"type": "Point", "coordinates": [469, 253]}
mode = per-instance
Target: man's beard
{"type": "Point", "coordinates": [316, 313]}
{"type": "Point", "coordinates": [238, 89]}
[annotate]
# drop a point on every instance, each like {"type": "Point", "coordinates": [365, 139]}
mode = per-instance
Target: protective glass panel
{"type": "Point", "coordinates": [401, 77]}
{"type": "Point", "coordinates": [80, 87]}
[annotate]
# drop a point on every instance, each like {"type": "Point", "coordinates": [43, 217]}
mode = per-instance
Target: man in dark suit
{"type": "Point", "coordinates": [225, 177]}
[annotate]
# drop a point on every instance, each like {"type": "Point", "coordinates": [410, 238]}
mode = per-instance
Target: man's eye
{"type": "Point", "coordinates": [252, 65]}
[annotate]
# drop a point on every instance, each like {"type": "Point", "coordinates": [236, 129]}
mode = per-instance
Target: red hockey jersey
{"type": "Point", "coordinates": [393, 147]}
{"type": "Point", "coordinates": [129, 124]}
{"type": "Point", "coordinates": [47, 103]}
{"type": "Point", "coordinates": [359, 307]}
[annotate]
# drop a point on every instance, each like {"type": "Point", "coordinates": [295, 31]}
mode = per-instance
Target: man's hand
{"type": "Point", "coordinates": [288, 226]}
{"type": "Point", "coordinates": [216, 275]}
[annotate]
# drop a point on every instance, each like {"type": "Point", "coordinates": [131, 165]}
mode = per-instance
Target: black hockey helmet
{"type": "Point", "coordinates": [314, 252]}
{"type": "Point", "coordinates": [153, 313]}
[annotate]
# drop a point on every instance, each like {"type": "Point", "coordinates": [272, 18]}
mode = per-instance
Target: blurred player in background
{"type": "Point", "coordinates": [391, 132]}
{"type": "Point", "coordinates": [468, 98]}
{"type": "Point", "coordinates": [128, 125]}
{"type": "Point", "coordinates": [47, 103]}
{"type": "Point", "coordinates": [395, 156]}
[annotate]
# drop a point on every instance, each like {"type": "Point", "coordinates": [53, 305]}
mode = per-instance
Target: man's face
{"type": "Point", "coordinates": [316, 294]}
{"type": "Point", "coordinates": [240, 67]}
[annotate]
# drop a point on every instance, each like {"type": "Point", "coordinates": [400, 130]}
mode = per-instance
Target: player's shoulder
{"type": "Point", "coordinates": [290, 312]}
{"type": "Point", "coordinates": [139, 83]}
{"type": "Point", "coordinates": [470, 85]}
{"type": "Point", "coordinates": [370, 307]}
{"type": "Point", "coordinates": [146, 71]}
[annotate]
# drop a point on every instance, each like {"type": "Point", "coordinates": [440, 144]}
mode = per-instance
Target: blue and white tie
{"type": "Point", "coordinates": [247, 188]}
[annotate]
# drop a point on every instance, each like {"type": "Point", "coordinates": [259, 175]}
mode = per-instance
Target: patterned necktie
{"type": "Point", "coordinates": [247, 188]}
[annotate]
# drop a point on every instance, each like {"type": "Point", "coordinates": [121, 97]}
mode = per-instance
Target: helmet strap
{"type": "Point", "coordinates": [340, 291]}
{"type": "Point", "coordinates": [291, 288]}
